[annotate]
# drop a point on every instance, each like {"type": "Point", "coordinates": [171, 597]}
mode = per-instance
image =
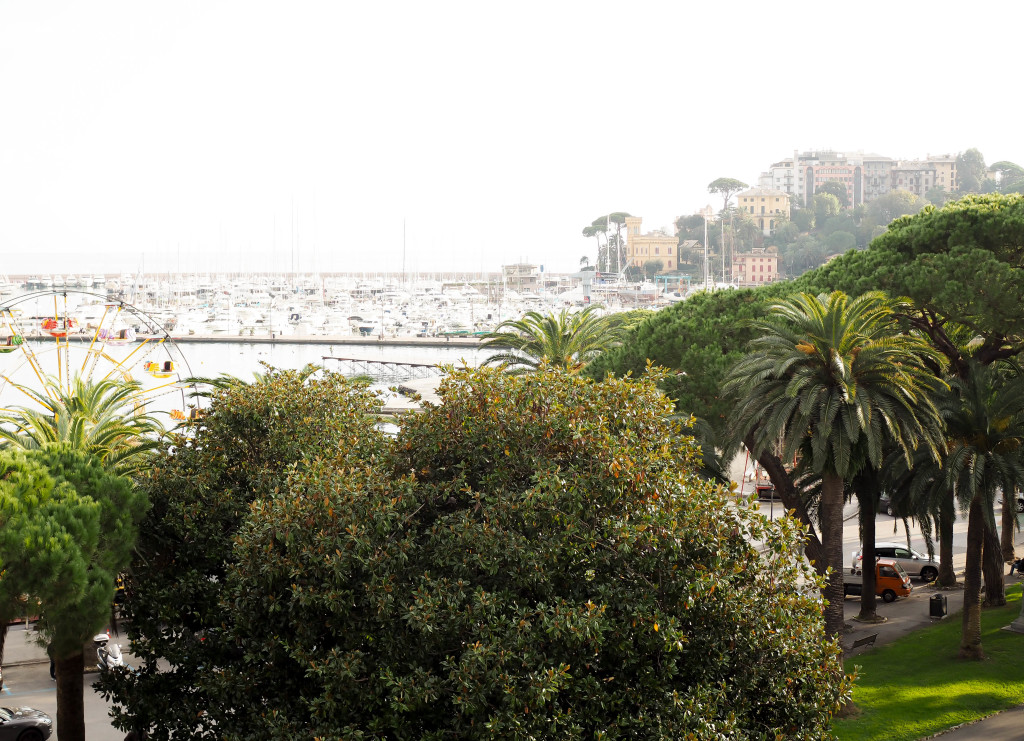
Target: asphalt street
{"type": "Point", "coordinates": [30, 684]}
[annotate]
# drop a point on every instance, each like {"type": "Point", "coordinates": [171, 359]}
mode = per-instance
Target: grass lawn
{"type": "Point", "coordinates": [917, 686]}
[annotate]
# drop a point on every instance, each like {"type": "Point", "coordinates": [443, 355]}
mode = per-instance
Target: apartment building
{"type": "Point", "coordinates": [877, 175]}
{"type": "Point", "coordinates": [865, 176]}
{"type": "Point", "coordinates": [766, 206]}
{"type": "Point", "coordinates": [945, 171]}
{"type": "Point", "coordinates": [915, 176]}
{"type": "Point", "coordinates": [755, 268]}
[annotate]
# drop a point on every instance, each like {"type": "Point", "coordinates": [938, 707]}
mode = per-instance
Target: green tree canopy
{"type": "Point", "coordinates": [105, 418]}
{"type": "Point", "coordinates": [839, 242]}
{"type": "Point", "coordinates": [837, 189]}
{"type": "Point", "coordinates": [201, 484]}
{"type": "Point", "coordinates": [889, 207]}
{"type": "Point", "coordinates": [970, 171]}
{"type": "Point", "coordinates": [568, 339]}
{"type": "Point", "coordinates": [803, 218]}
{"type": "Point", "coordinates": [536, 561]}
{"type": "Point", "coordinates": [76, 530]}
{"type": "Point", "coordinates": [959, 264]}
{"type": "Point", "coordinates": [825, 207]}
{"type": "Point", "coordinates": [699, 339]}
{"type": "Point", "coordinates": [831, 380]}
{"type": "Point", "coordinates": [727, 188]}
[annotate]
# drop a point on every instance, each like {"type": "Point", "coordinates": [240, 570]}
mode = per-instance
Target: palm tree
{"type": "Point", "coordinates": [985, 438]}
{"type": "Point", "coordinates": [106, 418]}
{"type": "Point", "coordinates": [831, 380]}
{"type": "Point", "coordinates": [567, 339]}
{"type": "Point", "coordinates": [595, 230]}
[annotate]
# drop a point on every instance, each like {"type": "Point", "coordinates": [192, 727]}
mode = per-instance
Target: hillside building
{"type": "Point", "coordinates": [656, 245]}
{"type": "Point", "coordinates": [755, 268]}
{"type": "Point", "coordinates": [766, 206]}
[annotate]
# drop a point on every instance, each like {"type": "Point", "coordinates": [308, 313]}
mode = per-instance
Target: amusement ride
{"type": "Point", "coordinates": [53, 338]}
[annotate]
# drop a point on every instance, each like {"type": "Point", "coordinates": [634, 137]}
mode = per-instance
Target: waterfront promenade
{"type": "Point", "coordinates": [319, 339]}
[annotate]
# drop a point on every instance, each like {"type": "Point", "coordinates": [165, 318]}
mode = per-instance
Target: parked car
{"type": "Point", "coordinates": [24, 724]}
{"type": "Point", "coordinates": [891, 581]}
{"type": "Point", "coordinates": [914, 562]}
{"type": "Point", "coordinates": [885, 505]}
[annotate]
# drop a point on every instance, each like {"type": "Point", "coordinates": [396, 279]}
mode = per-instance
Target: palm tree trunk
{"type": "Point", "coordinates": [1009, 521]}
{"type": "Point", "coordinates": [868, 599]}
{"type": "Point", "coordinates": [970, 632]}
{"type": "Point", "coordinates": [832, 545]}
{"type": "Point", "coordinates": [947, 576]}
{"type": "Point", "coordinates": [993, 568]}
{"type": "Point", "coordinates": [785, 489]}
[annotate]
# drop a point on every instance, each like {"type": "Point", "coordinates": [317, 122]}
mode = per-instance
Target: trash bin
{"type": "Point", "coordinates": [937, 606]}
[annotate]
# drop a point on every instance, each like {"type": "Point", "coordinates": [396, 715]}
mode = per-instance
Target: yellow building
{"type": "Point", "coordinates": [755, 268]}
{"type": "Point", "coordinates": [765, 206]}
{"type": "Point", "coordinates": [641, 248]}
{"type": "Point", "coordinates": [945, 171]}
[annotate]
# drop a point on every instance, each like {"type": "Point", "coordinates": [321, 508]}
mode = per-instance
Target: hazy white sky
{"type": "Point", "coordinates": [239, 134]}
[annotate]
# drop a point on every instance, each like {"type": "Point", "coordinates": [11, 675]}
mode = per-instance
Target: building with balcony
{"type": "Point", "coordinates": [945, 171]}
{"type": "Point", "coordinates": [877, 175]}
{"type": "Point", "coordinates": [915, 176]}
{"type": "Point", "coordinates": [766, 206]}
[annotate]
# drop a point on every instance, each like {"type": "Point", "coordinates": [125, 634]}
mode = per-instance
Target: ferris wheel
{"type": "Point", "coordinates": [52, 339]}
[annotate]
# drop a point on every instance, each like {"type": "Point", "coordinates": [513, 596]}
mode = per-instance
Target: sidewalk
{"type": "Point", "coordinates": [903, 616]}
{"type": "Point", "coordinates": [21, 648]}
{"type": "Point", "coordinates": [1005, 726]}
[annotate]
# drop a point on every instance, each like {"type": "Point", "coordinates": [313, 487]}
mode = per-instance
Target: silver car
{"type": "Point", "coordinates": [915, 563]}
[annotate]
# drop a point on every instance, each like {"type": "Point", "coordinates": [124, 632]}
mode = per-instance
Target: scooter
{"type": "Point", "coordinates": [108, 654]}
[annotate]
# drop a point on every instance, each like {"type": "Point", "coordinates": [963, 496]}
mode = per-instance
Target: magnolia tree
{"type": "Point", "coordinates": [531, 558]}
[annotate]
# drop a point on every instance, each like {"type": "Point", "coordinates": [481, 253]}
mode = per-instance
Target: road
{"type": "Point", "coordinates": [30, 684]}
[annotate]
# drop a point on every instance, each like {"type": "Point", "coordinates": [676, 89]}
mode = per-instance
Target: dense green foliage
{"type": "Point", "coordinates": [834, 381]}
{"type": "Point", "coordinates": [72, 616]}
{"type": "Point", "coordinates": [531, 559]}
{"type": "Point", "coordinates": [727, 188]}
{"type": "Point", "coordinates": [985, 439]}
{"type": "Point", "coordinates": [105, 418]}
{"type": "Point", "coordinates": [569, 339]}
{"type": "Point", "coordinates": [961, 264]}
{"type": "Point", "coordinates": [43, 529]}
{"type": "Point", "coordinates": [68, 528]}
{"type": "Point", "coordinates": [700, 339]}
{"type": "Point", "coordinates": [201, 485]}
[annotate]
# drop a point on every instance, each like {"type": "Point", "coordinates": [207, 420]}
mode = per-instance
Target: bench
{"type": "Point", "coordinates": [868, 641]}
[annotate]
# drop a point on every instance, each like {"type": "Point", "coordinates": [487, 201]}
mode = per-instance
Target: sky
{"type": "Point", "coordinates": [344, 136]}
